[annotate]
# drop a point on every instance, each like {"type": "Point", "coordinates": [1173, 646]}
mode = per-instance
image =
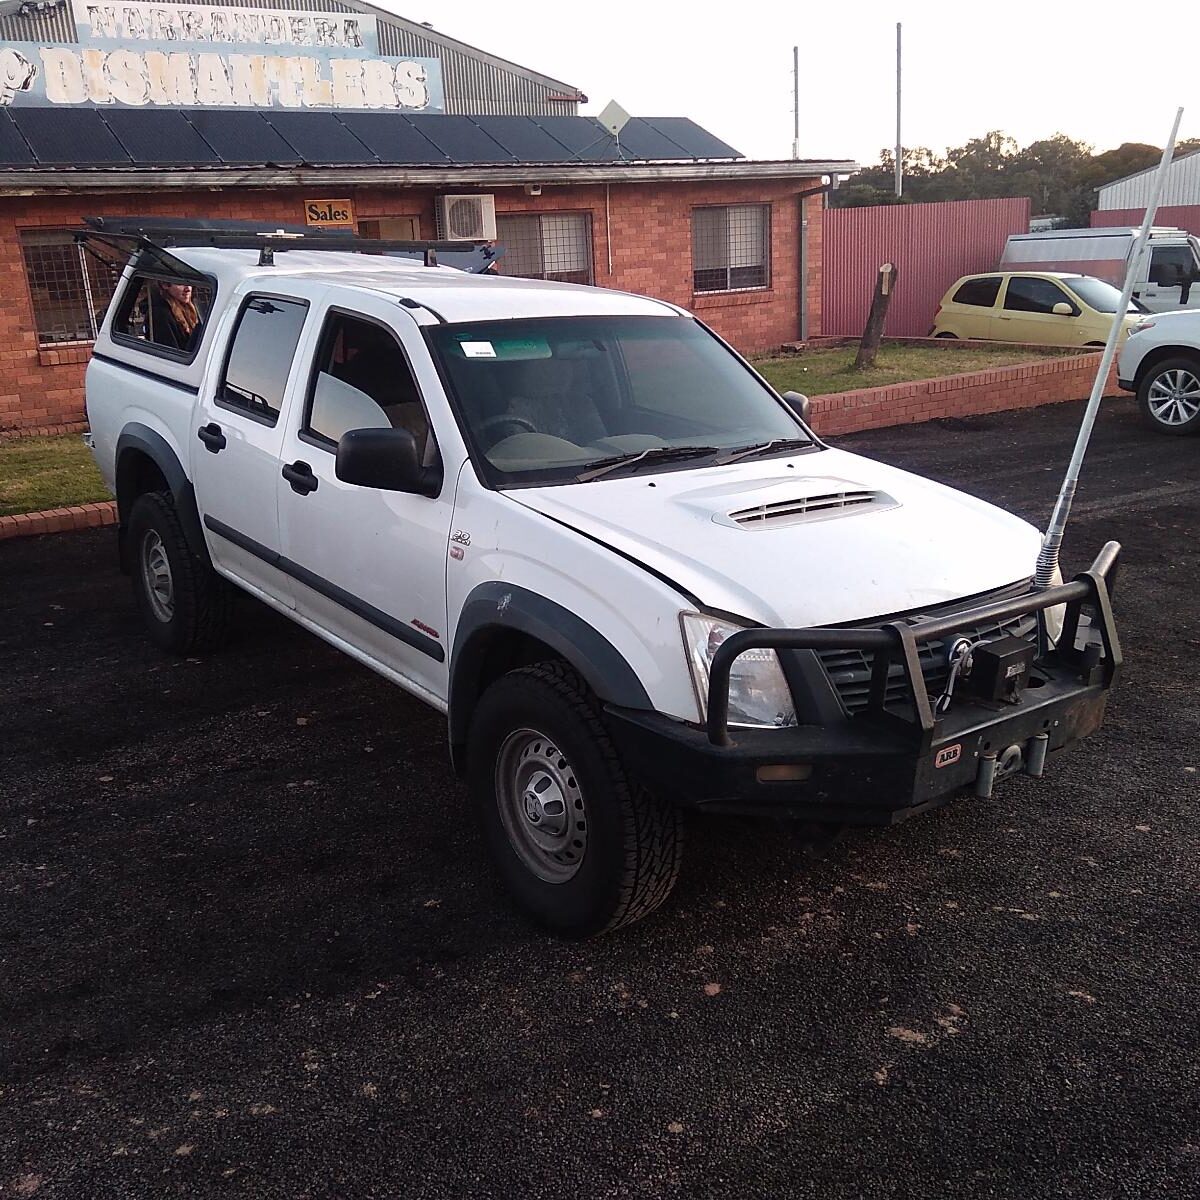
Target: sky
{"type": "Point", "coordinates": [1029, 69]}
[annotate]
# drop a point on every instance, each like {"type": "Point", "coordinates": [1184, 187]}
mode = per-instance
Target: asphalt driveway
{"type": "Point", "coordinates": [249, 944]}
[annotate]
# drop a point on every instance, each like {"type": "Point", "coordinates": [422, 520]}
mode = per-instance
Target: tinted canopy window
{"type": "Point", "coordinates": [1026, 294]}
{"type": "Point", "coordinates": [1171, 265]}
{"type": "Point", "coordinates": [260, 360]}
{"type": "Point", "coordinates": [542, 401]}
{"type": "Point", "coordinates": [164, 314]}
{"type": "Point", "coordinates": [982, 292]}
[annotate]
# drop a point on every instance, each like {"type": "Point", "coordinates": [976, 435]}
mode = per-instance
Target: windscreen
{"type": "Point", "coordinates": [542, 401]}
{"type": "Point", "coordinates": [1097, 294]}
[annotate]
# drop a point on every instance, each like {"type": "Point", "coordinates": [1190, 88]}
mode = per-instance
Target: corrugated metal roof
{"type": "Point", "coordinates": [1182, 185]}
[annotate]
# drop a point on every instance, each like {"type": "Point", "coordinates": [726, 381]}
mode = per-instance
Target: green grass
{"type": "Point", "coordinates": [47, 472]}
{"type": "Point", "coordinates": [821, 372]}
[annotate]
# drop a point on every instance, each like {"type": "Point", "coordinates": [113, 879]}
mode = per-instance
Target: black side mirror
{"type": "Point", "coordinates": [800, 404]}
{"type": "Point", "coordinates": [385, 459]}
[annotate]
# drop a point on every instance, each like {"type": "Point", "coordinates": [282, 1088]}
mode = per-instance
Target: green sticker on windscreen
{"type": "Point", "coordinates": [505, 349]}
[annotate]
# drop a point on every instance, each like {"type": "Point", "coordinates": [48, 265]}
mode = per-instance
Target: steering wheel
{"type": "Point", "coordinates": [504, 419]}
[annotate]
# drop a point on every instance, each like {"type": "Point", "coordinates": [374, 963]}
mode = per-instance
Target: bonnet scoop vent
{"type": "Point", "coordinates": [810, 508]}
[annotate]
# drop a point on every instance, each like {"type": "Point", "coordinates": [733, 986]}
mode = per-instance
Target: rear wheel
{"type": "Point", "coordinates": [1169, 395]}
{"type": "Point", "coordinates": [582, 847]}
{"type": "Point", "coordinates": [184, 603]}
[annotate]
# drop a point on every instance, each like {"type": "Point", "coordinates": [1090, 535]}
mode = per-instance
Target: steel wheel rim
{"type": "Point", "coordinates": [156, 575]}
{"type": "Point", "coordinates": [541, 806]}
{"type": "Point", "coordinates": [1174, 397]}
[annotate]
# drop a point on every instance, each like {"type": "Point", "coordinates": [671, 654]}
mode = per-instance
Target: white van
{"type": "Point", "coordinates": [1168, 272]}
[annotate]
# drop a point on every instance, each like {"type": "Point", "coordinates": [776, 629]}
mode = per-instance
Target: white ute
{"type": "Point", "coordinates": [580, 525]}
{"type": "Point", "coordinates": [1160, 363]}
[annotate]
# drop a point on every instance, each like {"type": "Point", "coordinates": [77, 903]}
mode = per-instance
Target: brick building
{"type": "Point", "coordinates": [371, 122]}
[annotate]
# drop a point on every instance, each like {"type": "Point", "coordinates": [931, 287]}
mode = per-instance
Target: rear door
{"type": "Point", "coordinates": [970, 312]}
{"type": "Point", "coordinates": [369, 566]}
{"type": "Point", "coordinates": [1026, 313]}
{"type": "Point", "coordinates": [237, 438]}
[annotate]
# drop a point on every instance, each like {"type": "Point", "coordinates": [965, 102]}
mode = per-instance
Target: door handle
{"type": "Point", "coordinates": [212, 437]}
{"type": "Point", "coordinates": [300, 476]}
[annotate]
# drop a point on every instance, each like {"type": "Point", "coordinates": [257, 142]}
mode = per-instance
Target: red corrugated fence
{"type": "Point", "coordinates": [931, 245]}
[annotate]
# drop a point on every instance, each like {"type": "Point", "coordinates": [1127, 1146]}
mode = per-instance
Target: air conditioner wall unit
{"type": "Point", "coordinates": [467, 218]}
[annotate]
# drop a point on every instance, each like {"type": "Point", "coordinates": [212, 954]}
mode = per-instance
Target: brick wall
{"type": "Point", "coordinates": [649, 226]}
{"type": "Point", "coordinates": [1049, 381]}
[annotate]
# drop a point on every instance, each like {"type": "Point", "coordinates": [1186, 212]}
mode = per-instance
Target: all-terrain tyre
{"type": "Point", "coordinates": [1169, 395]}
{"type": "Point", "coordinates": [184, 603]}
{"type": "Point", "coordinates": [582, 846]}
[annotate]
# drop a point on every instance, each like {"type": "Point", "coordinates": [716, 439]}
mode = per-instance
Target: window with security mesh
{"type": "Point", "coordinates": [546, 246]}
{"type": "Point", "coordinates": [730, 248]}
{"type": "Point", "coordinates": [70, 287]}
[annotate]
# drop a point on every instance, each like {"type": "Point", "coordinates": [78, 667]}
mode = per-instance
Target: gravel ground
{"type": "Point", "coordinates": [249, 945]}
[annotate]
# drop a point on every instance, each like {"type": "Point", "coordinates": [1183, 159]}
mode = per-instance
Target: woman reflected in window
{"type": "Point", "coordinates": [175, 321]}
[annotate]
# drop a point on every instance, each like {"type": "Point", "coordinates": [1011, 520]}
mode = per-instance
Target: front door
{"type": "Point", "coordinates": [237, 438]}
{"type": "Point", "coordinates": [369, 565]}
{"type": "Point", "coordinates": [1026, 313]}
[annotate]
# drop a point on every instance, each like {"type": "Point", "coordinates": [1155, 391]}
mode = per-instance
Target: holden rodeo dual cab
{"type": "Point", "coordinates": [584, 528]}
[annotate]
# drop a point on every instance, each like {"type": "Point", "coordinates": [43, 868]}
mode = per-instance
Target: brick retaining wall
{"type": "Point", "coordinates": [1048, 381]}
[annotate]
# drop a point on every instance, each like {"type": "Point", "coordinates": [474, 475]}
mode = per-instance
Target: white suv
{"type": "Point", "coordinates": [1160, 361]}
{"type": "Point", "coordinates": [584, 528]}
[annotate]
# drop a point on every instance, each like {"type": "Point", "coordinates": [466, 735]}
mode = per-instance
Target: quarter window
{"type": "Point", "coordinates": [1171, 265]}
{"type": "Point", "coordinates": [1026, 294]}
{"type": "Point", "coordinates": [70, 288]}
{"type": "Point", "coordinates": [981, 292]}
{"type": "Point", "coordinates": [546, 246]}
{"type": "Point", "coordinates": [731, 248]}
{"type": "Point", "coordinates": [260, 358]}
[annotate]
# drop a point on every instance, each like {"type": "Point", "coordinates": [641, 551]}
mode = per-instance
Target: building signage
{"type": "Point", "coordinates": [330, 214]}
{"type": "Point", "coordinates": [196, 55]}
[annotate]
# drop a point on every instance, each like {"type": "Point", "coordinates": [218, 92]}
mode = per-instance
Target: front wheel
{"type": "Point", "coordinates": [1169, 395]}
{"type": "Point", "coordinates": [582, 847]}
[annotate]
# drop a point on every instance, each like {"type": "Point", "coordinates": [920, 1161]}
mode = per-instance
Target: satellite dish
{"type": "Point", "coordinates": [614, 118]}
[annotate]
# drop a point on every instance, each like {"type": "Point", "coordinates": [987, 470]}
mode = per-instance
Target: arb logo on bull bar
{"type": "Point", "coordinates": [948, 755]}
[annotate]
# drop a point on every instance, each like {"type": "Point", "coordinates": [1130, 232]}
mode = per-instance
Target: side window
{"type": "Point", "coordinates": [260, 356]}
{"type": "Point", "coordinates": [982, 292]}
{"type": "Point", "coordinates": [163, 313]}
{"type": "Point", "coordinates": [1026, 294]}
{"type": "Point", "coordinates": [1171, 265]}
{"type": "Point", "coordinates": [362, 380]}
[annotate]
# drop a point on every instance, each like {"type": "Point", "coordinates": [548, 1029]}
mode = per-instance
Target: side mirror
{"type": "Point", "coordinates": [799, 403]}
{"type": "Point", "coordinates": [385, 459]}
{"type": "Point", "coordinates": [1063, 309]}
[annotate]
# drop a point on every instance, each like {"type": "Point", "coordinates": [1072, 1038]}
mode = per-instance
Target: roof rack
{"type": "Point", "coordinates": [270, 238]}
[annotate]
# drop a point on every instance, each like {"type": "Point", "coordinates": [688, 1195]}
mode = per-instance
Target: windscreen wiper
{"type": "Point", "coordinates": [765, 448]}
{"type": "Point", "coordinates": [653, 454]}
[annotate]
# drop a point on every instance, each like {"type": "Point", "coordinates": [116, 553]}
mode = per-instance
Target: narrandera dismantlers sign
{"type": "Point", "coordinates": [192, 55]}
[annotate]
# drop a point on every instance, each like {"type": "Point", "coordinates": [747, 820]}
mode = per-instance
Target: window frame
{"type": "Point", "coordinates": [303, 431]}
{"type": "Point", "coordinates": [589, 236]}
{"type": "Point", "coordinates": [766, 207]}
{"type": "Point", "coordinates": [120, 307]}
{"type": "Point", "coordinates": [95, 323]}
{"type": "Point", "coordinates": [218, 394]}
{"type": "Point", "coordinates": [1064, 297]}
{"type": "Point", "coordinates": [976, 281]}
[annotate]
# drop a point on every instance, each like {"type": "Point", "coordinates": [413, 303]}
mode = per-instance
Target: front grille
{"type": "Point", "coordinates": [850, 670]}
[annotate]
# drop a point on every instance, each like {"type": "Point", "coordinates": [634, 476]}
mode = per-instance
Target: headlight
{"type": "Point", "coordinates": [1056, 615]}
{"type": "Point", "coordinates": [758, 692]}
{"type": "Point", "coordinates": [1141, 327]}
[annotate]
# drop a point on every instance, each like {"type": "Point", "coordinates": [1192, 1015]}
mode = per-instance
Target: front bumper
{"type": "Point", "coordinates": [892, 760]}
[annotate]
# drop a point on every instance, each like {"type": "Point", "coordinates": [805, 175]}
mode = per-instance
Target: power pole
{"type": "Point", "coordinates": [795, 101]}
{"type": "Point", "coordinates": [899, 147]}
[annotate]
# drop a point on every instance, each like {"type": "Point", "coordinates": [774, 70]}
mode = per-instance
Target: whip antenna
{"type": "Point", "coordinates": [1047, 560]}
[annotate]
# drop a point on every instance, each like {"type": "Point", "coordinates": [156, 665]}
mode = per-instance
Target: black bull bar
{"type": "Point", "coordinates": [898, 641]}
